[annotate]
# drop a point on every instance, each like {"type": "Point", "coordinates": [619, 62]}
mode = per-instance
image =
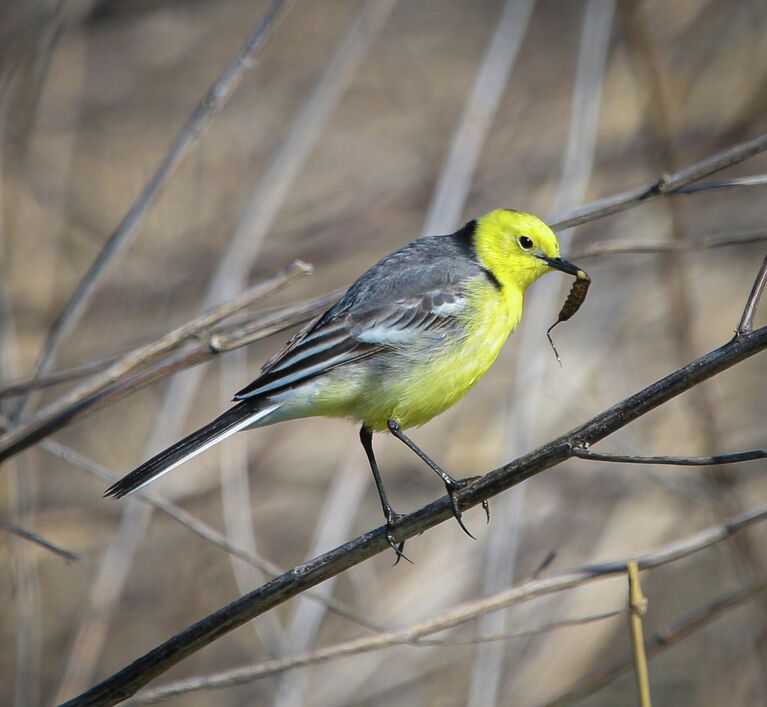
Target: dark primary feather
{"type": "Point", "coordinates": [161, 462]}
{"type": "Point", "coordinates": [410, 290]}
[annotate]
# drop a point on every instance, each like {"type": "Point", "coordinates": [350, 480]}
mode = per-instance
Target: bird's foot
{"type": "Point", "coordinates": [399, 548]}
{"type": "Point", "coordinates": [455, 485]}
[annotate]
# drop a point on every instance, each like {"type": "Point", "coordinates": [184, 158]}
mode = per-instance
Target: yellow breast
{"type": "Point", "coordinates": [447, 374]}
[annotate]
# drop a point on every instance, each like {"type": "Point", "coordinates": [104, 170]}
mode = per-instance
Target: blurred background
{"type": "Point", "coordinates": [361, 126]}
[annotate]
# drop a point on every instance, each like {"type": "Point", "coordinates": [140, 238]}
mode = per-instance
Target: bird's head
{"type": "Point", "coordinates": [518, 248]}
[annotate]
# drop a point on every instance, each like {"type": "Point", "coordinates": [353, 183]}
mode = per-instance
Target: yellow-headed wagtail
{"type": "Point", "coordinates": [408, 340]}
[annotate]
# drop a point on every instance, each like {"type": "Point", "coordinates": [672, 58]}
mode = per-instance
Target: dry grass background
{"type": "Point", "coordinates": [93, 93]}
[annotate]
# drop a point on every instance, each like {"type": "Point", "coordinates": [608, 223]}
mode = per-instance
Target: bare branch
{"type": "Point", "coordinates": [41, 541]}
{"type": "Point", "coordinates": [755, 181]}
{"type": "Point", "coordinates": [414, 634]}
{"type": "Point", "coordinates": [734, 458]}
{"type": "Point", "coordinates": [271, 323]}
{"type": "Point", "coordinates": [663, 185]}
{"type": "Point", "coordinates": [631, 247]}
{"type": "Point", "coordinates": [126, 681]}
{"type": "Point", "coordinates": [199, 352]}
{"type": "Point", "coordinates": [63, 410]}
{"type": "Point", "coordinates": [749, 312]}
{"type": "Point", "coordinates": [201, 529]}
{"type": "Point", "coordinates": [524, 633]}
{"type": "Point", "coordinates": [22, 386]}
{"type": "Point", "coordinates": [234, 334]}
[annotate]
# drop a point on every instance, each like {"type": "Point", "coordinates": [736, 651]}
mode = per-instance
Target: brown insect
{"type": "Point", "coordinates": [572, 304]}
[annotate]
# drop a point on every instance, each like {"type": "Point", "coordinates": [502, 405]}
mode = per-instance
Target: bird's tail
{"type": "Point", "coordinates": [233, 420]}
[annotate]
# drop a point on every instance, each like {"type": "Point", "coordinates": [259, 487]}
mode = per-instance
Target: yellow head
{"type": "Point", "coordinates": [518, 248]}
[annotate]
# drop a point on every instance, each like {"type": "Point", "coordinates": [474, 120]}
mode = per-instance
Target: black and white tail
{"type": "Point", "coordinates": [233, 420]}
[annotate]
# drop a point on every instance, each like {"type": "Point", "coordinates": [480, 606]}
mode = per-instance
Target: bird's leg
{"type": "Point", "coordinates": [366, 437]}
{"type": "Point", "coordinates": [451, 485]}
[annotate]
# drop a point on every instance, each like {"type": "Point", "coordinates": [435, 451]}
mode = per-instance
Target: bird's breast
{"type": "Point", "coordinates": [451, 370]}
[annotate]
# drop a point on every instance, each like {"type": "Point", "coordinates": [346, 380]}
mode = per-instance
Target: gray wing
{"type": "Point", "coordinates": [415, 291]}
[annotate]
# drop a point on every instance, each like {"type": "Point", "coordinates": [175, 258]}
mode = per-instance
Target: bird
{"type": "Point", "coordinates": [408, 339]}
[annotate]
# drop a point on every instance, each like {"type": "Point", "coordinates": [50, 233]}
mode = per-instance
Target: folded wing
{"type": "Point", "coordinates": [355, 335]}
{"type": "Point", "coordinates": [414, 292]}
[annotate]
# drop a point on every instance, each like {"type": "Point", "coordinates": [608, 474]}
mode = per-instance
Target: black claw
{"type": "Point", "coordinates": [451, 491]}
{"type": "Point", "coordinates": [457, 485]}
{"type": "Point", "coordinates": [399, 548]}
{"type": "Point", "coordinates": [400, 552]}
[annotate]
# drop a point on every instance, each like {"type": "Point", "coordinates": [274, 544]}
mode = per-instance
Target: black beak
{"type": "Point", "coordinates": [565, 267]}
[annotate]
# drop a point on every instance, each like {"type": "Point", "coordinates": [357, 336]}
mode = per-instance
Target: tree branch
{"type": "Point", "coordinates": [749, 312]}
{"type": "Point", "coordinates": [664, 185]}
{"type": "Point", "coordinates": [63, 410]}
{"type": "Point", "coordinates": [734, 458]}
{"type": "Point", "coordinates": [468, 611]}
{"type": "Point", "coordinates": [757, 180]}
{"type": "Point", "coordinates": [201, 530]}
{"type": "Point", "coordinates": [22, 386]}
{"type": "Point", "coordinates": [126, 681]}
{"type": "Point", "coordinates": [631, 247]}
{"type": "Point", "coordinates": [41, 541]}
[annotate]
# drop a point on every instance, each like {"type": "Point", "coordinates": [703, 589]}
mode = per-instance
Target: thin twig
{"type": "Point", "coordinates": [198, 352]}
{"type": "Point", "coordinates": [637, 610]}
{"type": "Point", "coordinates": [749, 312]}
{"type": "Point", "coordinates": [64, 409]}
{"type": "Point", "coordinates": [524, 633]}
{"type": "Point", "coordinates": [594, 250]}
{"type": "Point", "coordinates": [661, 641]}
{"type": "Point", "coordinates": [67, 555]}
{"type": "Point", "coordinates": [202, 530]}
{"type": "Point", "coordinates": [663, 185]}
{"type": "Point", "coordinates": [22, 386]}
{"type": "Point", "coordinates": [234, 334]}
{"type": "Point", "coordinates": [126, 681]}
{"type": "Point", "coordinates": [734, 458]}
{"type": "Point", "coordinates": [755, 181]}
{"type": "Point", "coordinates": [270, 323]}
{"type": "Point", "coordinates": [468, 611]}
{"type": "Point", "coordinates": [197, 123]}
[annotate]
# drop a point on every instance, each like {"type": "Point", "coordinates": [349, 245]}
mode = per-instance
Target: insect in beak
{"type": "Point", "coordinates": [574, 299]}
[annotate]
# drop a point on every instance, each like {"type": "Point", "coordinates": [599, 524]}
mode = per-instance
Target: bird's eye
{"type": "Point", "coordinates": [525, 243]}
